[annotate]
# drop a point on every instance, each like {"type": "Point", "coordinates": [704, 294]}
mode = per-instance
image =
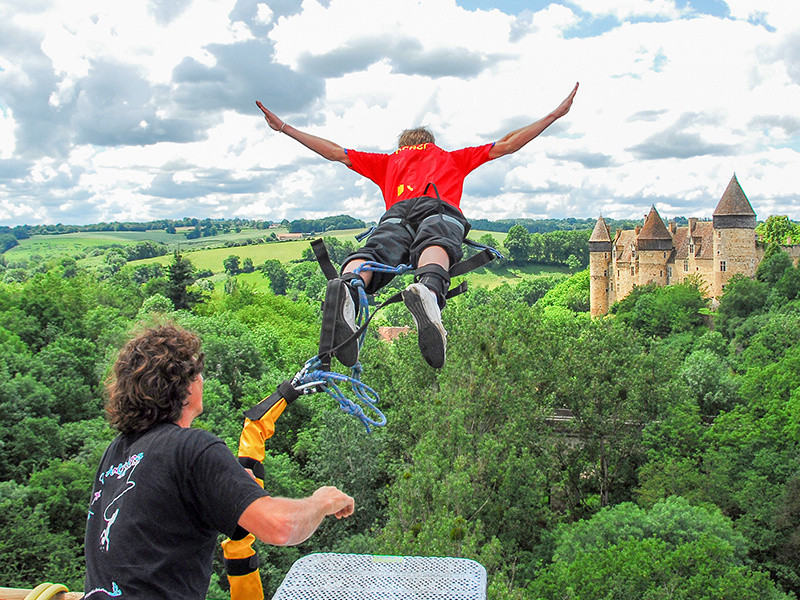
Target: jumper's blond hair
{"type": "Point", "coordinates": [413, 137]}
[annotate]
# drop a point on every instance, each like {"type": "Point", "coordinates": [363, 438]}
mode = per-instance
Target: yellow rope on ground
{"type": "Point", "coordinates": [46, 591]}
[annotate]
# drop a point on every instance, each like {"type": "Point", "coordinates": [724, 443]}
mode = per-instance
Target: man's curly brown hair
{"type": "Point", "coordinates": [413, 137]}
{"type": "Point", "coordinates": [151, 377]}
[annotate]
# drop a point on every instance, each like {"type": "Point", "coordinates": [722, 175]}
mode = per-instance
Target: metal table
{"type": "Point", "coordinates": [328, 576]}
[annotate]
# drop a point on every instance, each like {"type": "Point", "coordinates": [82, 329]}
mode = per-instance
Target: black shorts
{"type": "Point", "coordinates": [406, 229]}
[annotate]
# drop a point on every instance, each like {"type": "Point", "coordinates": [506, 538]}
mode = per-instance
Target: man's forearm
{"type": "Point", "coordinates": [288, 521]}
{"type": "Point", "coordinates": [517, 139]}
{"type": "Point", "coordinates": [321, 146]}
{"type": "Point", "coordinates": [282, 521]}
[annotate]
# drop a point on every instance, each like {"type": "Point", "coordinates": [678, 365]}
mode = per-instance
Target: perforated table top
{"type": "Point", "coordinates": [326, 576]}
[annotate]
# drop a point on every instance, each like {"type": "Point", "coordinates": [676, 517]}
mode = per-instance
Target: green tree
{"type": "Point", "coordinates": [180, 276]}
{"type": "Point", "coordinates": [277, 275]}
{"type": "Point", "coordinates": [573, 263]}
{"type": "Point", "coordinates": [572, 293]}
{"type": "Point", "coordinates": [774, 264]}
{"type": "Point", "coordinates": [674, 550]}
{"type": "Point", "coordinates": [611, 387]}
{"type": "Point", "coordinates": [518, 244]}
{"type": "Point", "coordinates": [710, 381]}
{"type": "Point", "coordinates": [753, 457]}
{"type": "Point", "coordinates": [231, 265]}
{"type": "Point", "coordinates": [531, 290]}
{"type": "Point", "coordinates": [743, 298]}
{"type": "Point", "coordinates": [778, 229]}
{"type": "Point", "coordinates": [68, 367]}
{"type": "Point", "coordinates": [660, 310]}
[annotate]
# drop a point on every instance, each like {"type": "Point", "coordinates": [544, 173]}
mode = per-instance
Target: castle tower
{"type": "Point", "coordinates": [734, 222]}
{"type": "Point", "coordinates": [653, 247]}
{"type": "Point", "coordinates": [600, 275]}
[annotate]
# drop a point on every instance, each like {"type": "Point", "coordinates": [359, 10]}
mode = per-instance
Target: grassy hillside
{"type": "Point", "coordinates": [209, 253]}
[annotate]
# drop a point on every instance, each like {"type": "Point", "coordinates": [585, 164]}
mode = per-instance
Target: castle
{"type": "Point", "coordinates": [713, 251]}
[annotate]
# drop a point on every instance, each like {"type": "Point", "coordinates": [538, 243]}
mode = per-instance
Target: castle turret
{"type": "Point", "coordinates": [600, 273]}
{"type": "Point", "coordinates": [653, 247]}
{"type": "Point", "coordinates": [734, 237]}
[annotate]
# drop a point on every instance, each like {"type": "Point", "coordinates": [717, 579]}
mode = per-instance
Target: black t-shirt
{"type": "Point", "coordinates": [159, 501]}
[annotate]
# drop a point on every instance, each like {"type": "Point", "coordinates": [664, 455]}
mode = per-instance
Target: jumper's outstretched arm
{"type": "Point", "coordinates": [325, 148]}
{"type": "Point", "coordinates": [513, 141]}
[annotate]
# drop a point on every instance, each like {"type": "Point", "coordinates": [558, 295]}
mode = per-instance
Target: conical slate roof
{"type": "Point", "coordinates": [733, 201]}
{"type": "Point", "coordinates": [654, 228]}
{"type": "Point", "coordinates": [600, 233]}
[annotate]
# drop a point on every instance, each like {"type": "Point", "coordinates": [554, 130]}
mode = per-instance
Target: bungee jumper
{"type": "Point", "coordinates": [423, 227]}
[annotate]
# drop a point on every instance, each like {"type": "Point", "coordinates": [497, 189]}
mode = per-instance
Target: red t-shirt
{"type": "Point", "coordinates": [404, 173]}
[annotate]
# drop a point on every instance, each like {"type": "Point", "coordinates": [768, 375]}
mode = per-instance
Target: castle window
{"type": "Point", "coordinates": [669, 272]}
{"type": "Point", "coordinates": [661, 273]}
{"type": "Point", "coordinates": [686, 265]}
{"type": "Point", "coordinates": [633, 270]}
{"type": "Point", "coordinates": [723, 265]}
{"type": "Point", "coordinates": [665, 255]}
{"type": "Point", "coordinates": [691, 247]}
{"type": "Point", "coordinates": [605, 272]}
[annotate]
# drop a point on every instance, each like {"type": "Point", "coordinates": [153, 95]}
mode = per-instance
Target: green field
{"type": "Point", "coordinates": [209, 253]}
{"type": "Point", "coordinates": [492, 279]}
{"type": "Point", "coordinates": [44, 247]}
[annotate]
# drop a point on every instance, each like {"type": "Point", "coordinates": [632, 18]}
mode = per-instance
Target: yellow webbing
{"type": "Point", "coordinates": [251, 445]}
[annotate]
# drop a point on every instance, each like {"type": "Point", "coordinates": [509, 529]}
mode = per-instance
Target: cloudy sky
{"type": "Point", "coordinates": [139, 110]}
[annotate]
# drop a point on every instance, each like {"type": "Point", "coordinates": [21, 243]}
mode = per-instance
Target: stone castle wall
{"type": "Point", "coordinates": [734, 250]}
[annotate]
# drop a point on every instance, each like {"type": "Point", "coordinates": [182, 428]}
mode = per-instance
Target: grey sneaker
{"type": "Point", "coordinates": [345, 310]}
{"type": "Point", "coordinates": [432, 337]}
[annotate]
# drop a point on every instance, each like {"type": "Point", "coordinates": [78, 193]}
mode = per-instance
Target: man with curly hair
{"type": "Point", "coordinates": [164, 491]}
{"type": "Point", "coordinates": [423, 223]}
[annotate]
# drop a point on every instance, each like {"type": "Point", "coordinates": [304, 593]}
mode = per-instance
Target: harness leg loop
{"type": "Point", "coordinates": [435, 278]}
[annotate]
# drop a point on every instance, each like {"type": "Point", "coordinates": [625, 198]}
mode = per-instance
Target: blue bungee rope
{"type": "Point", "coordinates": [312, 379]}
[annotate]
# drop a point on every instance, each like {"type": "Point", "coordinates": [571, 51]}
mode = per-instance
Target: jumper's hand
{"type": "Point", "coordinates": [564, 107]}
{"type": "Point", "coordinates": [274, 122]}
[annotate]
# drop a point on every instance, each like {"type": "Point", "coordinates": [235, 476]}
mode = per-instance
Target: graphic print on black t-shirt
{"type": "Point", "coordinates": [121, 471]}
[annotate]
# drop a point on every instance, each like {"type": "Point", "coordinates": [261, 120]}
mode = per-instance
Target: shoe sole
{"type": "Point", "coordinates": [430, 337]}
{"type": "Point", "coordinates": [348, 353]}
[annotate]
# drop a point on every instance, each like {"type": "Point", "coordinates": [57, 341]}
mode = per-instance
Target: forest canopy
{"type": "Point", "coordinates": [677, 473]}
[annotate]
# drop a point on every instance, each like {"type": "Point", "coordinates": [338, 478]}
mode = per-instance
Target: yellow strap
{"type": "Point", "coordinates": [242, 548]}
{"type": "Point", "coordinates": [251, 445]}
{"type": "Point", "coordinates": [246, 587]}
{"type": "Point", "coordinates": [255, 433]}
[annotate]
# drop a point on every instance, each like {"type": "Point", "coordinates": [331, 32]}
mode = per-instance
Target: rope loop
{"type": "Point", "coordinates": [362, 315]}
{"type": "Point", "coordinates": [312, 379]}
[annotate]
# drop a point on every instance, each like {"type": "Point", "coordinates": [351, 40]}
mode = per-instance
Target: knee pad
{"type": "Point", "coordinates": [435, 278]}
